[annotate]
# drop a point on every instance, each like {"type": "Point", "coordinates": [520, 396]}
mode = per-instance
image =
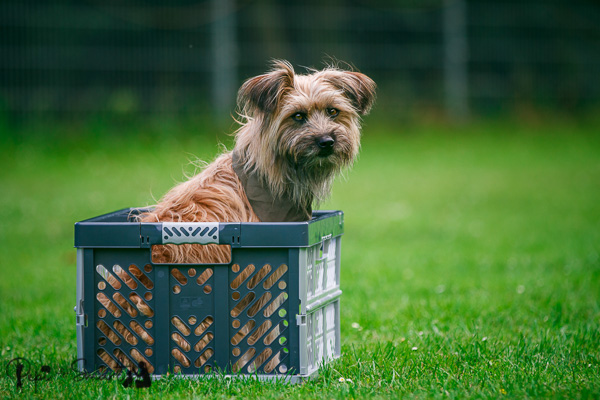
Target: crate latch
{"type": "Point", "coordinates": [301, 319]}
{"type": "Point", "coordinates": [80, 319]}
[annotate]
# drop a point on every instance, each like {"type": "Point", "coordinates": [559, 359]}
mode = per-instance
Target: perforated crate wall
{"type": "Point", "coordinates": [273, 310]}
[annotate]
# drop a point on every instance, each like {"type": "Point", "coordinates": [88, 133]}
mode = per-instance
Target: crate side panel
{"type": "Point", "coordinates": [261, 319]}
{"type": "Point", "coordinates": [323, 335]}
{"type": "Point", "coordinates": [323, 269]}
{"type": "Point", "coordinates": [121, 316]}
{"type": "Point", "coordinates": [192, 318]}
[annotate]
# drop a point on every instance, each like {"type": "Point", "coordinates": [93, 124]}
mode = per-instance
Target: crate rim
{"type": "Point", "coordinates": [115, 230]}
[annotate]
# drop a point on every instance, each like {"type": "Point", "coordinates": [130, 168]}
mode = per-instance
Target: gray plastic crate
{"type": "Point", "coordinates": [272, 311]}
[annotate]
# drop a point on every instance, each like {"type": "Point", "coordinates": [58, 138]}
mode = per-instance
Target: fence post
{"type": "Point", "coordinates": [456, 59]}
{"type": "Point", "coordinates": [224, 56]}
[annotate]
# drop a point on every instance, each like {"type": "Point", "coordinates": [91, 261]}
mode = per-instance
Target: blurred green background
{"type": "Point", "coordinates": [470, 262]}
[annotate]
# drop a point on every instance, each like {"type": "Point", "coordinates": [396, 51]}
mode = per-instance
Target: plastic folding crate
{"type": "Point", "coordinates": [272, 311]}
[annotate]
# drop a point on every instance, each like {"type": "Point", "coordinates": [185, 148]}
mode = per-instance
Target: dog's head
{"type": "Point", "coordinates": [304, 128]}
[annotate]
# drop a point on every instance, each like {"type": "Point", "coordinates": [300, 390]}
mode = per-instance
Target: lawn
{"type": "Point", "coordinates": [470, 260]}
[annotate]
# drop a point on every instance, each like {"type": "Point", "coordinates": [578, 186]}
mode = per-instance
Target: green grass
{"type": "Point", "coordinates": [470, 261]}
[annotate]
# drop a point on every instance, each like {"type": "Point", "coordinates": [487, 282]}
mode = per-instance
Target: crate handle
{"type": "Point", "coordinates": [190, 232]}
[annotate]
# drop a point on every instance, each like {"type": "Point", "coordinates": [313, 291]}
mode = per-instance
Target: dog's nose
{"type": "Point", "coordinates": [325, 142]}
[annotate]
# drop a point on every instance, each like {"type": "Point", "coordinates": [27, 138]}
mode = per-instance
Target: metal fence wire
{"type": "Point", "coordinates": [464, 56]}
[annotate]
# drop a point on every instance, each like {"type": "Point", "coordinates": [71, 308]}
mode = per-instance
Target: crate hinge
{"type": "Point", "coordinates": [80, 318]}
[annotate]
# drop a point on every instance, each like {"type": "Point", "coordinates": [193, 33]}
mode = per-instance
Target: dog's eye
{"type": "Point", "coordinates": [299, 117]}
{"type": "Point", "coordinates": [333, 112]}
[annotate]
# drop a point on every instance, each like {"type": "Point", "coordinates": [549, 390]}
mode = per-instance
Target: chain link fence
{"type": "Point", "coordinates": [460, 56]}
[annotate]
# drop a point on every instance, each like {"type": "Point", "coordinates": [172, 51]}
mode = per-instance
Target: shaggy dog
{"type": "Point", "coordinates": [297, 132]}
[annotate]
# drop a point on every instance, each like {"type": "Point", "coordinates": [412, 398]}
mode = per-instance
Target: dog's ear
{"type": "Point", "coordinates": [358, 88]}
{"type": "Point", "coordinates": [263, 92]}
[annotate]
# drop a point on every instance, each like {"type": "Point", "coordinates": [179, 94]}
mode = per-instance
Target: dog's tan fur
{"type": "Point", "coordinates": [281, 151]}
